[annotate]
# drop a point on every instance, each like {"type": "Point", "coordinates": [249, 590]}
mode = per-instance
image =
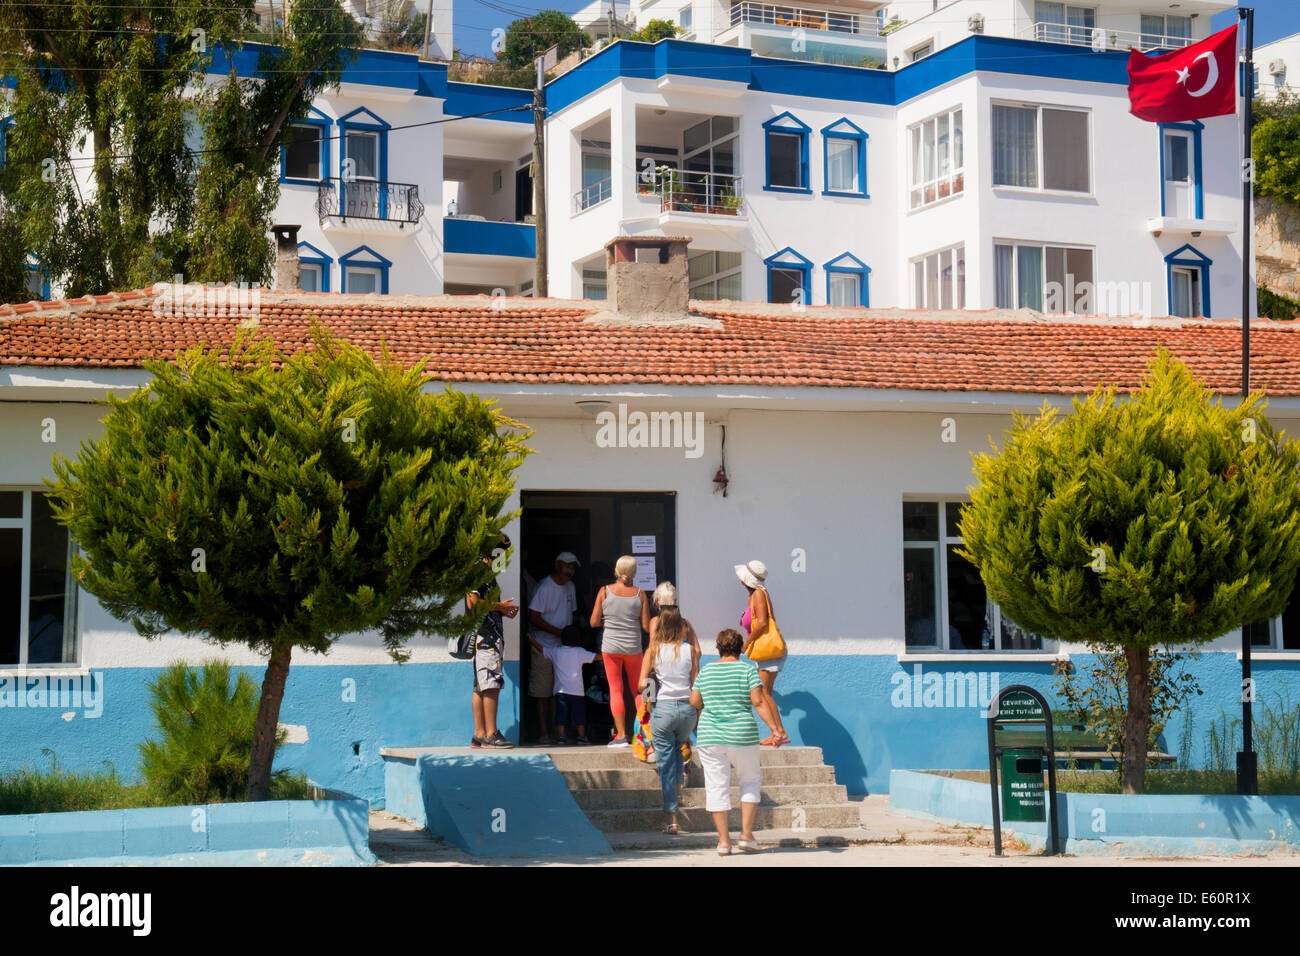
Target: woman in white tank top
{"type": "Point", "coordinates": [674, 659]}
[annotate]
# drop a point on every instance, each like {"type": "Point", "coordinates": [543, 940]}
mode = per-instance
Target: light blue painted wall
{"type": "Point", "coordinates": [844, 704]}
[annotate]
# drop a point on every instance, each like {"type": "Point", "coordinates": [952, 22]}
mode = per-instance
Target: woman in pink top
{"type": "Point", "coordinates": [621, 608]}
{"type": "Point", "coordinates": [753, 623]}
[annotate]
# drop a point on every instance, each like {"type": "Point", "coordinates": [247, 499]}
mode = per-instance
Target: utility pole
{"type": "Point", "coordinates": [539, 176]}
{"type": "Point", "coordinates": [428, 28]}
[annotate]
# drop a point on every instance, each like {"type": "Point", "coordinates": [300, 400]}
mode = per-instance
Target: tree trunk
{"type": "Point", "coordinates": [268, 723]}
{"type": "Point", "coordinates": [1137, 720]}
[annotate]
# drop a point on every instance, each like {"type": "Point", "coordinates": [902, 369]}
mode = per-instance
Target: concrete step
{"type": "Point", "coordinates": [696, 819]}
{"type": "Point", "coordinates": [645, 778]}
{"type": "Point", "coordinates": [783, 795]}
{"type": "Point", "coordinates": [604, 758]}
{"type": "Point", "coordinates": [768, 839]}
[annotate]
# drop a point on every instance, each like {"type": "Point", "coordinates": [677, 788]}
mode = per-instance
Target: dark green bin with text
{"type": "Point", "coordinates": [1024, 795]}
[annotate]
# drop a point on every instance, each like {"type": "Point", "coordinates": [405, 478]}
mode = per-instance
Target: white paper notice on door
{"type": "Point", "coordinates": [643, 544]}
{"type": "Point", "coordinates": [645, 579]}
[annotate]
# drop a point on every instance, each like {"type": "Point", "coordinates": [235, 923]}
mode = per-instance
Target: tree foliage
{"type": "Point", "coordinates": [654, 31]}
{"type": "Point", "coordinates": [529, 37]}
{"type": "Point", "coordinates": [1275, 144]}
{"type": "Point", "coordinates": [400, 30]}
{"type": "Point", "coordinates": [123, 165]}
{"type": "Point", "coordinates": [281, 502]}
{"type": "Point", "coordinates": [1165, 520]}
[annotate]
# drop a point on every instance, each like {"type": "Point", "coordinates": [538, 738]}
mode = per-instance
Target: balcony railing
{"type": "Point", "coordinates": [1099, 38]}
{"type": "Point", "coordinates": [589, 195]}
{"type": "Point", "coordinates": [718, 194]}
{"type": "Point", "coordinates": [807, 18]}
{"type": "Point", "coordinates": [369, 199]}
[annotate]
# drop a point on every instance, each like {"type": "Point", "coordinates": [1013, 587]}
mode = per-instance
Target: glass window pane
{"type": "Point", "coordinates": [787, 285]}
{"type": "Point", "coordinates": [928, 148]}
{"type": "Point", "coordinates": [363, 280]}
{"type": "Point", "coordinates": [917, 176]}
{"type": "Point", "coordinates": [11, 504]}
{"type": "Point", "coordinates": [1178, 27]}
{"type": "Point", "coordinates": [919, 576]}
{"type": "Point", "coordinates": [696, 136]}
{"type": "Point", "coordinates": [363, 150]}
{"type": "Point", "coordinates": [1054, 263]}
{"type": "Point", "coordinates": [705, 290]}
{"type": "Point", "coordinates": [1065, 150]}
{"type": "Point", "coordinates": [842, 165]}
{"type": "Point", "coordinates": [958, 158]}
{"type": "Point", "coordinates": [1182, 289]}
{"type": "Point", "coordinates": [952, 515]}
{"type": "Point", "coordinates": [1291, 619]}
{"type": "Point", "coordinates": [11, 583]}
{"type": "Point", "coordinates": [785, 159]}
{"type": "Point", "coordinates": [302, 153]}
{"type": "Point", "coordinates": [966, 600]}
{"type": "Point", "coordinates": [46, 608]}
{"type": "Point", "coordinates": [309, 278]}
{"type": "Point", "coordinates": [700, 265]}
{"type": "Point", "coordinates": [845, 289]}
{"type": "Point", "coordinates": [1153, 28]}
{"type": "Point", "coordinates": [1261, 635]}
{"type": "Point", "coordinates": [1029, 277]}
{"type": "Point", "coordinates": [920, 521]}
{"type": "Point", "coordinates": [728, 261]}
{"type": "Point", "coordinates": [1078, 270]}
{"type": "Point", "coordinates": [1003, 277]}
{"type": "Point", "coordinates": [723, 125]}
{"type": "Point", "coordinates": [945, 279]}
{"type": "Point", "coordinates": [918, 282]}
{"type": "Point", "coordinates": [942, 143]}
{"type": "Point", "coordinates": [1015, 146]}
{"type": "Point", "coordinates": [960, 255]}
{"type": "Point", "coordinates": [932, 281]}
{"type": "Point", "coordinates": [729, 287]}
{"type": "Point", "coordinates": [1015, 637]}
{"type": "Point", "coordinates": [1177, 166]}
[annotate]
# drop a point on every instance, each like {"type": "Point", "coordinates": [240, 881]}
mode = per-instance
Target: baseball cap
{"type": "Point", "coordinates": [568, 557]}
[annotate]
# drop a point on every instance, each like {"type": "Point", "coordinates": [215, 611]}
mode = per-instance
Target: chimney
{"type": "Point", "coordinates": [647, 276]}
{"type": "Point", "coordinates": [287, 275]}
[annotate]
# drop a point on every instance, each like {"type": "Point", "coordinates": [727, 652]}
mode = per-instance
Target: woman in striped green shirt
{"type": "Point", "coordinates": [726, 693]}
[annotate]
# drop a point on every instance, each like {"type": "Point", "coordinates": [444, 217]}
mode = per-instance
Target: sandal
{"type": "Point", "coordinates": [749, 846]}
{"type": "Point", "coordinates": [785, 739]}
{"type": "Point", "coordinates": [670, 828]}
{"type": "Point", "coordinates": [724, 849]}
{"type": "Point", "coordinates": [770, 741]}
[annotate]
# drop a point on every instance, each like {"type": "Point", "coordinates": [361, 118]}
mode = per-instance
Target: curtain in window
{"type": "Point", "coordinates": [1029, 277]}
{"type": "Point", "coordinates": [1182, 285]}
{"type": "Point", "coordinates": [845, 289]}
{"type": "Point", "coordinates": [1065, 150]}
{"type": "Point", "coordinates": [1003, 281]}
{"type": "Point", "coordinates": [1015, 153]}
{"type": "Point", "coordinates": [842, 165]}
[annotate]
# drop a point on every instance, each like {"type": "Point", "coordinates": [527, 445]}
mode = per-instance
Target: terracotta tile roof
{"type": "Point", "coordinates": [474, 339]}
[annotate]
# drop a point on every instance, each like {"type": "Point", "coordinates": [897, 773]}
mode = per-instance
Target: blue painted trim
{"type": "Point", "coordinates": [397, 71]}
{"type": "Point", "coordinates": [803, 265]}
{"type": "Point", "coordinates": [466, 99]}
{"type": "Point", "coordinates": [325, 124]}
{"type": "Point", "coordinates": [858, 268]}
{"type": "Point", "coordinates": [320, 258]}
{"type": "Point", "coordinates": [1194, 127]}
{"type": "Point", "coordinates": [858, 135]}
{"type": "Point", "coordinates": [472, 237]}
{"type": "Point", "coordinates": [795, 128]}
{"type": "Point", "coordinates": [377, 125]}
{"type": "Point", "coordinates": [376, 261]}
{"type": "Point", "coordinates": [1195, 259]}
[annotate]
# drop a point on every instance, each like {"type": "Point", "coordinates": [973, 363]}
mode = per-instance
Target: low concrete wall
{"type": "Point", "coordinates": [274, 832]}
{"type": "Point", "coordinates": [1119, 824]}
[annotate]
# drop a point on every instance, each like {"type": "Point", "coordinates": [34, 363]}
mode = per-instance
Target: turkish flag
{"type": "Point", "coordinates": [1199, 80]}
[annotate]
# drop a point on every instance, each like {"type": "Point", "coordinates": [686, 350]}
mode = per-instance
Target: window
{"type": "Point", "coordinates": [1283, 631]}
{"type": "Point", "coordinates": [714, 275]}
{"type": "Point", "coordinates": [1188, 282]}
{"type": "Point", "coordinates": [939, 279]}
{"type": "Point", "coordinates": [1044, 278]}
{"type": "Point", "coordinates": [787, 154]}
{"type": "Point", "coordinates": [364, 270]}
{"type": "Point", "coordinates": [595, 180]}
{"type": "Point", "coordinates": [709, 161]}
{"type": "Point", "coordinates": [920, 52]}
{"type": "Point", "coordinates": [1180, 170]}
{"type": "Point", "coordinates": [944, 602]}
{"type": "Point", "coordinates": [846, 281]}
{"type": "Point", "coordinates": [1035, 145]}
{"type": "Point", "coordinates": [38, 286]}
{"type": "Point", "coordinates": [594, 284]}
{"type": "Point", "coordinates": [1059, 23]}
{"type": "Point", "coordinates": [314, 268]}
{"type": "Point", "coordinates": [361, 151]}
{"type": "Point", "coordinates": [788, 277]}
{"type": "Point", "coordinates": [365, 146]}
{"type": "Point", "coordinates": [305, 155]}
{"type": "Point", "coordinates": [309, 278]}
{"type": "Point", "coordinates": [938, 158]}
{"type": "Point", "coordinates": [845, 160]}
{"type": "Point", "coordinates": [1165, 31]}
{"type": "Point", "coordinates": [38, 599]}
{"type": "Point", "coordinates": [684, 18]}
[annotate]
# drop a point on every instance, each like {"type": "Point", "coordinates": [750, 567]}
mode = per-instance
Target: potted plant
{"type": "Point", "coordinates": [959, 183]}
{"type": "Point", "coordinates": [728, 203]}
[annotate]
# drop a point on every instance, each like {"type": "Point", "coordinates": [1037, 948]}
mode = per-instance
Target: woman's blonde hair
{"type": "Point", "coordinates": [671, 629]}
{"type": "Point", "coordinates": [666, 594]}
{"type": "Point", "coordinates": [625, 568]}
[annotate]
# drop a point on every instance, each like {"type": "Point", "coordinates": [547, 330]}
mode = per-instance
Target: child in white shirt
{"type": "Point", "coordinates": [571, 699]}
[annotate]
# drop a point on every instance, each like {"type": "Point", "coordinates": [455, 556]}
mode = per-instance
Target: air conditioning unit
{"type": "Point", "coordinates": [975, 23]}
{"type": "Point", "coordinates": [1276, 67]}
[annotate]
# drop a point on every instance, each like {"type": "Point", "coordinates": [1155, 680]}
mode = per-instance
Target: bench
{"type": "Point", "coordinates": [1074, 742]}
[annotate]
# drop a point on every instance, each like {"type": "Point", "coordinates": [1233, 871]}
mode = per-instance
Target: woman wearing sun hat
{"type": "Point", "coordinates": [755, 623]}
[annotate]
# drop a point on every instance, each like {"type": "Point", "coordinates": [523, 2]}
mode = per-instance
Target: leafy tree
{"type": "Point", "coordinates": [1166, 520]}
{"type": "Point", "coordinates": [1275, 144]}
{"type": "Point", "coordinates": [102, 181]}
{"type": "Point", "coordinates": [398, 31]}
{"type": "Point", "coordinates": [654, 31]}
{"type": "Point", "coordinates": [529, 37]}
{"type": "Point", "coordinates": [280, 502]}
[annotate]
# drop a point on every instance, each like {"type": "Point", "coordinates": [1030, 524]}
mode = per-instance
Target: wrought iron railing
{"type": "Point", "coordinates": [807, 18]}
{"type": "Point", "coordinates": [593, 193]}
{"type": "Point", "coordinates": [681, 190]}
{"type": "Point", "coordinates": [1100, 38]}
{"type": "Point", "coordinates": [369, 199]}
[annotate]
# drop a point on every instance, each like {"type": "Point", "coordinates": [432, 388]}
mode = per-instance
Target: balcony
{"type": "Point", "coordinates": [593, 194]}
{"type": "Point", "coordinates": [806, 18]}
{"type": "Point", "coordinates": [464, 235]}
{"type": "Point", "coordinates": [367, 205]}
{"type": "Point", "coordinates": [815, 35]}
{"type": "Point", "coordinates": [1099, 38]}
{"type": "Point", "coordinates": [705, 203]}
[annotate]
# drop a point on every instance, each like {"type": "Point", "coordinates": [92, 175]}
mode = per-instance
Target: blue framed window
{"type": "Point", "coordinates": [1181, 194]}
{"type": "Point", "coordinates": [314, 268]}
{"type": "Point", "coordinates": [305, 152]}
{"type": "Point", "coordinates": [1187, 278]}
{"type": "Point", "coordinates": [364, 270]}
{"type": "Point", "coordinates": [844, 148]}
{"type": "Point", "coordinates": [38, 283]}
{"type": "Point", "coordinates": [787, 154]}
{"type": "Point", "coordinates": [789, 277]}
{"type": "Point", "coordinates": [846, 281]}
{"type": "Point", "coordinates": [363, 163]}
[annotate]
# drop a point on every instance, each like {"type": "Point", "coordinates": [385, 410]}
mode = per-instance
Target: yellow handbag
{"type": "Point", "coordinates": [769, 645]}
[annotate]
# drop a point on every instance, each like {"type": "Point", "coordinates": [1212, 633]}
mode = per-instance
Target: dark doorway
{"type": "Point", "coordinates": [597, 526]}
{"type": "Point", "coordinates": [523, 193]}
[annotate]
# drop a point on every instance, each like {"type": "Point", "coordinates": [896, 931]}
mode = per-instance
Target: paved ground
{"type": "Point", "coordinates": [884, 839]}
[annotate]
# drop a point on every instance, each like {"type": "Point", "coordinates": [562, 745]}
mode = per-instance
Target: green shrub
{"type": "Point", "coordinates": [55, 791]}
{"type": "Point", "coordinates": [1274, 306]}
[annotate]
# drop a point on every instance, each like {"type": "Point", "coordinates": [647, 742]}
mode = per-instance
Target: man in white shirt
{"type": "Point", "coordinates": [550, 611]}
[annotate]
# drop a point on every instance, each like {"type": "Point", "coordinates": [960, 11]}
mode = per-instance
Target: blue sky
{"type": "Point", "coordinates": [474, 20]}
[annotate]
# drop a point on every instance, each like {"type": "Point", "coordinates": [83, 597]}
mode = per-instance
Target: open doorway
{"type": "Point", "coordinates": [598, 527]}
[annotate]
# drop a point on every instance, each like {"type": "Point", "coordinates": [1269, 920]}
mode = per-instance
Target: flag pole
{"type": "Point", "coordinates": [1247, 769]}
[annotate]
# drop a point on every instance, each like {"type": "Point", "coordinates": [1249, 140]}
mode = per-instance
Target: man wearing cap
{"type": "Point", "coordinates": [550, 611]}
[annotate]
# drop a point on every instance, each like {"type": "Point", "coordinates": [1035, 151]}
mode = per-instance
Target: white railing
{"type": "Point", "coordinates": [1099, 38]}
{"type": "Point", "coordinates": [807, 18]}
{"type": "Point", "coordinates": [718, 194]}
{"type": "Point", "coordinates": [588, 196]}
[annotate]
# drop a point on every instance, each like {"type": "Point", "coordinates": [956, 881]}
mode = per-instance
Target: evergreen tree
{"type": "Point", "coordinates": [1165, 520]}
{"type": "Point", "coordinates": [279, 503]}
{"type": "Point", "coordinates": [530, 37]}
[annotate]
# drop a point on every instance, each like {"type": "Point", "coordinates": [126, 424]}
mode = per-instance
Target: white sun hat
{"type": "Point", "coordinates": [752, 574]}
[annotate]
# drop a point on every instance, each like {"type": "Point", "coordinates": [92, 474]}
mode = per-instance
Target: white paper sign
{"type": "Point", "coordinates": [645, 579]}
{"type": "Point", "coordinates": [643, 544]}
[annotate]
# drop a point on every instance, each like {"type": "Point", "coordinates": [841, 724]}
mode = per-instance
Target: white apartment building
{"type": "Point", "coordinates": [1277, 63]}
{"type": "Point", "coordinates": [997, 173]}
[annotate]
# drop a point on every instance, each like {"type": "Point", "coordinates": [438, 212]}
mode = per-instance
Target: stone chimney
{"type": "Point", "coordinates": [647, 276]}
{"type": "Point", "coordinates": [287, 274]}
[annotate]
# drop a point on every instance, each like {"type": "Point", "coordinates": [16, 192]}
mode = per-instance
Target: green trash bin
{"type": "Point", "coordinates": [1024, 794]}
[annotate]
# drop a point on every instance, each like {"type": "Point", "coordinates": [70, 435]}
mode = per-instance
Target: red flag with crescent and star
{"type": "Point", "coordinates": [1196, 81]}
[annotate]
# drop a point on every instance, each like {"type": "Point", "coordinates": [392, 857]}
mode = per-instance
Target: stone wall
{"type": "Point", "coordinates": [1277, 245]}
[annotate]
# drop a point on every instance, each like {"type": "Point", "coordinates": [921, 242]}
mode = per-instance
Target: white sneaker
{"type": "Point", "coordinates": [619, 742]}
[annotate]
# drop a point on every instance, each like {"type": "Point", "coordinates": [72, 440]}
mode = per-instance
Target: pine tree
{"type": "Point", "coordinates": [1165, 520]}
{"type": "Point", "coordinates": [280, 503]}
